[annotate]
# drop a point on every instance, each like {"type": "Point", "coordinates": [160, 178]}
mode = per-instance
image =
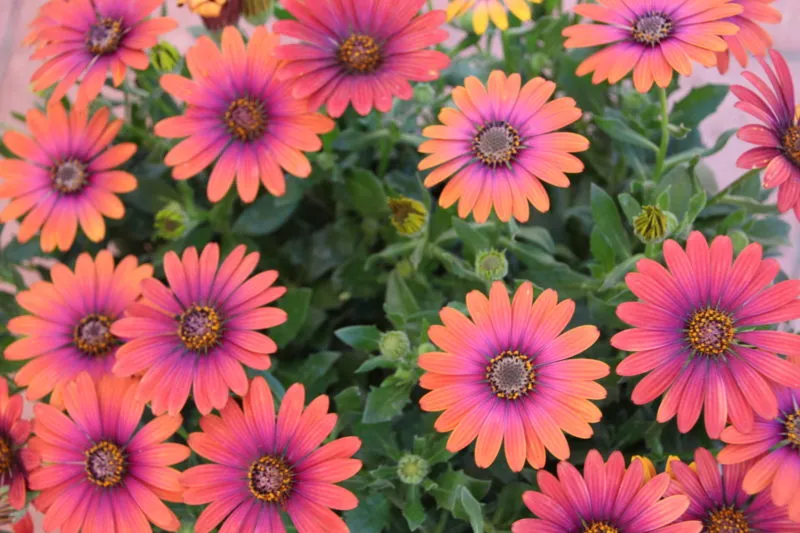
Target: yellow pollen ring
{"type": "Point", "coordinates": [511, 375]}
{"type": "Point", "coordinates": [6, 456]}
{"type": "Point", "coordinates": [792, 426]}
{"type": "Point", "coordinates": [105, 464]}
{"type": "Point", "coordinates": [246, 119]}
{"type": "Point", "coordinates": [726, 520]}
{"type": "Point", "coordinates": [710, 332]}
{"type": "Point", "coordinates": [104, 36]}
{"type": "Point", "coordinates": [791, 143]}
{"type": "Point", "coordinates": [652, 28]}
{"type": "Point", "coordinates": [92, 335]}
{"type": "Point", "coordinates": [496, 143]}
{"type": "Point", "coordinates": [599, 527]}
{"type": "Point", "coordinates": [360, 53]}
{"type": "Point", "coordinates": [271, 479]}
{"type": "Point", "coordinates": [199, 328]}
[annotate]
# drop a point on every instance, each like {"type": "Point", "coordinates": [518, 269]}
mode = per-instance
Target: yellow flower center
{"type": "Point", "coordinates": [599, 527]}
{"type": "Point", "coordinates": [791, 143]}
{"type": "Point", "coordinates": [726, 520]}
{"type": "Point", "coordinates": [652, 28]}
{"type": "Point", "coordinates": [246, 119]}
{"type": "Point", "coordinates": [6, 456]}
{"type": "Point", "coordinates": [360, 54]}
{"type": "Point", "coordinates": [69, 177]}
{"type": "Point", "coordinates": [710, 332]}
{"type": "Point", "coordinates": [93, 335]}
{"type": "Point", "coordinates": [105, 464]}
{"type": "Point", "coordinates": [792, 427]}
{"type": "Point", "coordinates": [496, 143]}
{"type": "Point", "coordinates": [510, 375]}
{"type": "Point", "coordinates": [199, 328]}
{"type": "Point", "coordinates": [104, 36]}
{"type": "Point", "coordinates": [271, 479]}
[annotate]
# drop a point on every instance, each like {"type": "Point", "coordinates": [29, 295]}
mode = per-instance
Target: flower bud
{"type": "Point", "coordinates": [408, 215]}
{"type": "Point", "coordinates": [412, 469]}
{"type": "Point", "coordinates": [255, 8]}
{"type": "Point", "coordinates": [172, 222]}
{"type": "Point", "coordinates": [651, 225]}
{"type": "Point", "coordinates": [491, 265]}
{"type": "Point", "coordinates": [164, 57]}
{"type": "Point", "coordinates": [394, 345]}
{"type": "Point", "coordinates": [424, 93]}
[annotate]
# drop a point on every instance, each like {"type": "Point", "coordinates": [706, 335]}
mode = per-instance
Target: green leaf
{"type": "Point", "coordinates": [538, 236]}
{"type": "Point", "coordinates": [472, 508]}
{"type": "Point", "coordinates": [619, 272]}
{"type": "Point", "coordinates": [448, 484]}
{"type": "Point", "coordinates": [608, 222]}
{"type": "Point", "coordinates": [698, 104]}
{"type": "Point", "coordinates": [366, 192]}
{"type": "Point", "coordinates": [269, 213]}
{"type": "Point", "coordinates": [311, 369]}
{"type": "Point", "coordinates": [349, 400]}
{"type": "Point", "coordinates": [378, 361]}
{"type": "Point", "coordinates": [371, 516]}
{"type": "Point", "coordinates": [620, 131]}
{"type": "Point", "coordinates": [601, 250]}
{"type": "Point", "coordinates": [630, 206]}
{"type": "Point", "coordinates": [362, 337]}
{"type": "Point", "coordinates": [474, 241]}
{"type": "Point", "coordinates": [399, 298]}
{"type": "Point", "coordinates": [413, 511]}
{"type": "Point", "coordinates": [295, 302]}
{"type": "Point", "coordinates": [384, 403]}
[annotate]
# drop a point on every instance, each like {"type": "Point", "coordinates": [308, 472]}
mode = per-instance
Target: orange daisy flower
{"type": "Point", "coordinates": [651, 37]}
{"type": "Point", "coordinates": [503, 376]}
{"type": "Point", "coordinates": [751, 38]}
{"type": "Point", "coordinates": [239, 112]}
{"type": "Point", "coordinates": [16, 460]}
{"type": "Point", "coordinates": [65, 176]}
{"type": "Point", "coordinates": [68, 329]}
{"type": "Point", "coordinates": [99, 473]}
{"type": "Point", "coordinates": [500, 144]}
{"type": "Point", "coordinates": [83, 38]}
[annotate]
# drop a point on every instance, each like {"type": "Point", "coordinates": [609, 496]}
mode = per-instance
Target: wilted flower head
{"type": "Point", "coordinates": [408, 215]}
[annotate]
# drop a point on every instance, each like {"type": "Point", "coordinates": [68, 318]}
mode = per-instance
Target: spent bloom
{"type": "Point", "coordinates": [264, 465]}
{"type": "Point", "coordinates": [607, 498]}
{"type": "Point", "coordinates": [196, 333]}
{"type": "Point", "coordinates": [68, 328]}
{"type": "Point", "coordinates": [499, 144]}
{"type": "Point", "coordinates": [506, 376]}
{"type": "Point", "coordinates": [239, 115]}
{"type": "Point", "coordinates": [652, 38]}
{"type": "Point", "coordinates": [696, 333]}
{"type": "Point", "coordinates": [65, 176]}
{"type": "Point", "coordinates": [777, 138]}
{"type": "Point", "coordinates": [496, 10]}
{"type": "Point", "coordinates": [86, 40]}
{"type": "Point", "coordinates": [363, 52]}
{"type": "Point", "coordinates": [100, 471]}
{"type": "Point", "coordinates": [751, 37]}
{"type": "Point", "coordinates": [408, 216]}
{"type": "Point", "coordinates": [16, 460]}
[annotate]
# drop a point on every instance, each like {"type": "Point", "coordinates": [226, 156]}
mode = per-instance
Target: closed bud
{"type": "Point", "coordinates": [255, 8]}
{"type": "Point", "coordinates": [491, 265]}
{"type": "Point", "coordinates": [394, 345]}
{"type": "Point", "coordinates": [172, 222]}
{"type": "Point", "coordinates": [164, 57]}
{"type": "Point", "coordinates": [652, 224]}
{"type": "Point", "coordinates": [424, 93]}
{"type": "Point", "coordinates": [412, 469]}
{"type": "Point", "coordinates": [408, 215]}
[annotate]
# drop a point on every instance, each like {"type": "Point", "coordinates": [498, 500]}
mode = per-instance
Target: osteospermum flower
{"type": "Point", "coordinates": [777, 138]}
{"type": "Point", "coordinates": [15, 459]}
{"type": "Point", "coordinates": [695, 334]}
{"type": "Point", "coordinates": [652, 38]}
{"type": "Point", "coordinates": [197, 333]}
{"type": "Point", "coordinates": [240, 113]}
{"type": "Point", "coordinates": [718, 501]}
{"type": "Point", "coordinates": [483, 10]}
{"type": "Point", "coordinates": [607, 498]}
{"type": "Point", "coordinates": [500, 144]}
{"type": "Point", "coordinates": [264, 465]}
{"type": "Point", "coordinates": [362, 52]}
{"type": "Point", "coordinates": [770, 454]}
{"type": "Point", "coordinates": [68, 329]}
{"type": "Point", "coordinates": [65, 176]}
{"type": "Point", "coordinates": [99, 472]}
{"type": "Point", "coordinates": [83, 39]}
{"type": "Point", "coordinates": [751, 37]}
{"type": "Point", "coordinates": [506, 376]}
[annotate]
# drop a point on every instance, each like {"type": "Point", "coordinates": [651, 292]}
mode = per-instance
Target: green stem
{"type": "Point", "coordinates": [443, 517]}
{"type": "Point", "coordinates": [721, 194]}
{"type": "Point", "coordinates": [662, 150]}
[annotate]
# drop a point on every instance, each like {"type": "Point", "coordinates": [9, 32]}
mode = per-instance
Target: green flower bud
{"type": "Point", "coordinates": [255, 8]}
{"type": "Point", "coordinates": [172, 222]}
{"type": "Point", "coordinates": [394, 345]}
{"type": "Point", "coordinates": [424, 93]}
{"type": "Point", "coordinates": [491, 265]}
{"type": "Point", "coordinates": [408, 216]}
{"type": "Point", "coordinates": [164, 57]}
{"type": "Point", "coordinates": [412, 469]}
{"type": "Point", "coordinates": [426, 347]}
{"type": "Point", "coordinates": [651, 225]}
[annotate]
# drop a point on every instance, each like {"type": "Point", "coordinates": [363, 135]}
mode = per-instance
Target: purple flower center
{"type": "Point", "coordinates": [271, 479]}
{"type": "Point", "coordinates": [710, 332]}
{"type": "Point", "coordinates": [104, 36]}
{"type": "Point", "coordinates": [199, 328]}
{"type": "Point", "coordinates": [105, 464]}
{"type": "Point", "coordinates": [726, 520]}
{"type": "Point", "coordinates": [360, 54]}
{"type": "Point", "coordinates": [6, 456]}
{"type": "Point", "coordinates": [93, 335]}
{"type": "Point", "coordinates": [69, 177]}
{"type": "Point", "coordinates": [791, 143]}
{"type": "Point", "coordinates": [496, 143]}
{"type": "Point", "coordinates": [510, 375]}
{"type": "Point", "coordinates": [652, 28]}
{"type": "Point", "coordinates": [246, 119]}
{"type": "Point", "coordinates": [599, 527]}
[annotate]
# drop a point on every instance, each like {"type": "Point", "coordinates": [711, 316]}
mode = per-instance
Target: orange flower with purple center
{"type": "Point", "coordinates": [65, 176]}
{"type": "Point", "coordinates": [507, 376]}
{"type": "Point", "coordinates": [87, 39]}
{"type": "Point", "coordinates": [777, 138]}
{"type": "Point", "coordinates": [607, 498]}
{"type": "Point", "coordinates": [240, 116]}
{"type": "Point", "coordinates": [769, 452]}
{"type": "Point", "coordinates": [68, 330]}
{"type": "Point", "coordinates": [500, 144]}
{"type": "Point", "coordinates": [196, 334]}
{"type": "Point", "coordinates": [264, 465]}
{"type": "Point", "coordinates": [751, 37]}
{"type": "Point", "coordinates": [362, 52]}
{"type": "Point", "coordinates": [16, 460]}
{"type": "Point", "coordinates": [720, 503]}
{"type": "Point", "coordinates": [698, 333]}
{"type": "Point", "coordinates": [100, 471]}
{"type": "Point", "coordinates": [652, 38]}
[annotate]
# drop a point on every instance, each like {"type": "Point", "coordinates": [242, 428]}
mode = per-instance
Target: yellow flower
{"type": "Point", "coordinates": [205, 8]}
{"type": "Point", "coordinates": [497, 10]}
